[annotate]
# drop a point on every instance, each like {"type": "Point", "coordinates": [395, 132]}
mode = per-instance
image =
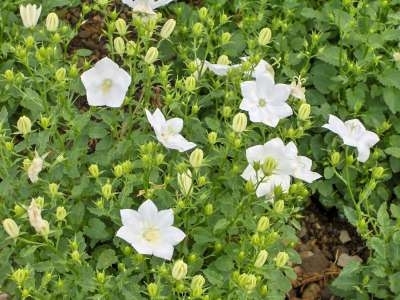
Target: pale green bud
{"type": "Point", "coordinates": [61, 213]}
{"type": "Point", "coordinates": [185, 182]}
{"type": "Point", "coordinates": [261, 259]}
{"type": "Point", "coordinates": [9, 75]}
{"type": "Point", "coordinates": [212, 137]}
{"type": "Point", "coordinates": [9, 146]}
{"type": "Point", "coordinates": [223, 18]}
{"type": "Point", "coordinates": [29, 41]}
{"type": "Point", "coordinates": [53, 189]}
{"type": "Point", "coordinates": [396, 56]}
{"type": "Point", "coordinates": [18, 210]}
{"type": "Point", "coordinates": [225, 38]}
{"type": "Point", "coordinates": [269, 166]}
{"type": "Point", "coordinates": [119, 45]}
{"type": "Point", "coordinates": [279, 206]}
{"type": "Point", "coordinates": [44, 228]}
{"type": "Point", "coordinates": [263, 224]}
{"type": "Point", "coordinates": [179, 270]}
{"type": "Point", "coordinates": [223, 60]}
{"type": "Point", "coordinates": [239, 122]}
{"type": "Point", "coordinates": [151, 55]}
{"type": "Point", "coordinates": [127, 166]}
{"type": "Point", "coordinates": [76, 256]}
{"type": "Point", "coordinates": [152, 289]}
{"type": "Point", "coordinates": [52, 22]}
{"type": "Point", "coordinates": [131, 48]}
{"type": "Point", "coordinates": [304, 112]}
{"type": "Point", "coordinates": [335, 158]}
{"type": "Point", "coordinates": [167, 29]}
{"type": "Point", "coordinates": [100, 277]}
{"type": "Point", "coordinates": [281, 259]}
{"type": "Point", "coordinates": [208, 209]}
{"type": "Point", "coordinates": [24, 125]}
{"type": "Point", "coordinates": [106, 191]}
{"type": "Point", "coordinates": [94, 170]}
{"type": "Point", "coordinates": [20, 275]}
{"type": "Point", "coordinates": [44, 122]}
{"type": "Point", "coordinates": [196, 285]}
{"type": "Point", "coordinates": [118, 171]}
{"type": "Point", "coordinates": [203, 12]}
{"type": "Point", "coordinates": [202, 180]}
{"type": "Point", "coordinates": [196, 158]}
{"type": "Point", "coordinates": [121, 27]}
{"type": "Point", "coordinates": [226, 111]}
{"type": "Point", "coordinates": [197, 29]}
{"type": "Point", "coordinates": [264, 37]}
{"type": "Point", "coordinates": [377, 172]}
{"type": "Point", "coordinates": [11, 228]}
{"type": "Point", "coordinates": [190, 83]}
{"type": "Point", "coordinates": [249, 187]}
{"type": "Point", "coordinates": [247, 281]}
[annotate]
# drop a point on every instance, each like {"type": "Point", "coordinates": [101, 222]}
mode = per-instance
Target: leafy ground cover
{"type": "Point", "coordinates": [168, 149]}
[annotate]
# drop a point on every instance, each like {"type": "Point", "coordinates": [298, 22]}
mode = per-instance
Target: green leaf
{"type": "Point", "coordinates": [75, 217]}
{"type": "Point", "coordinates": [214, 277]}
{"type": "Point", "coordinates": [328, 172]}
{"type": "Point", "coordinates": [351, 215]}
{"type": "Point", "coordinates": [96, 230]}
{"type": "Point", "coordinates": [106, 259]}
{"type": "Point", "coordinates": [393, 151]}
{"type": "Point", "coordinates": [395, 210]}
{"type": "Point", "coordinates": [390, 78]}
{"type": "Point", "coordinates": [223, 264]}
{"type": "Point", "coordinates": [84, 52]}
{"type": "Point", "coordinates": [394, 280]}
{"type": "Point", "coordinates": [383, 216]}
{"type": "Point", "coordinates": [221, 225]}
{"type": "Point", "coordinates": [378, 246]}
{"type": "Point", "coordinates": [391, 96]}
{"type": "Point", "coordinates": [332, 55]}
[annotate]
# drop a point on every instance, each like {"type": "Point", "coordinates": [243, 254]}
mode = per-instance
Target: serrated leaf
{"type": "Point", "coordinates": [378, 246]}
{"type": "Point", "coordinates": [332, 55]}
{"type": "Point", "coordinates": [391, 96]}
{"type": "Point", "coordinates": [351, 215]}
{"type": "Point", "coordinates": [214, 277]}
{"type": "Point", "coordinates": [106, 259]}
{"type": "Point", "coordinates": [221, 225]}
{"type": "Point", "coordinates": [390, 78]}
{"type": "Point", "coordinates": [96, 230]}
{"type": "Point", "coordinates": [383, 216]}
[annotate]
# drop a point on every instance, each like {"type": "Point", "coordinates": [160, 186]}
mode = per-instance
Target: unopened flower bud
{"type": "Point", "coordinates": [152, 289]}
{"type": "Point", "coordinates": [197, 29]}
{"type": "Point", "coordinates": [9, 146]}
{"type": "Point", "coordinates": [119, 45]}
{"type": "Point", "coordinates": [196, 285]}
{"type": "Point", "coordinates": [377, 172]}
{"type": "Point", "coordinates": [335, 158]}
{"type": "Point", "coordinates": [121, 27]}
{"type": "Point", "coordinates": [127, 166]}
{"type": "Point", "coordinates": [185, 182]}
{"type": "Point", "coordinates": [167, 29]}
{"type": "Point", "coordinates": [261, 259]}
{"type": "Point", "coordinates": [247, 281]}
{"type": "Point", "coordinates": [239, 122]}
{"type": "Point", "coordinates": [223, 60]}
{"type": "Point", "coordinates": [349, 159]}
{"type": "Point", "coordinates": [118, 171]}
{"type": "Point", "coordinates": [151, 55]}
{"type": "Point", "coordinates": [11, 228]}
{"type": "Point", "coordinates": [203, 12]}
{"type": "Point", "coordinates": [263, 224]}
{"type": "Point", "coordinates": [269, 166]}
{"type": "Point", "coordinates": [249, 187]}
{"type": "Point", "coordinates": [24, 125]}
{"type": "Point", "coordinates": [100, 277]}
{"type": "Point", "coordinates": [52, 22]}
{"type": "Point", "coordinates": [106, 190]}
{"type": "Point", "coordinates": [264, 37]}
{"type": "Point", "coordinates": [196, 158]}
{"type": "Point", "coordinates": [212, 137]}
{"type": "Point", "coordinates": [53, 189]}
{"type": "Point", "coordinates": [131, 48]}
{"type": "Point", "coordinates": [61, 213]}
{"type": "Point", "coordinates": [279, 206]}
{"type": "Point", "coordinates": [44, 122]}
{"type": "Point", "coordinates": [396, 56]}
{"type": "Point", "coordinates": [202, 180]}
{"type": "Point", "coordinates": [304, 112]}
{"type": "Point", "coordinates": [94, 170]}
{"type": "Point", "coordinates": [281, 259]}
{"type": "Point", "coordinates": [19, 276]}
{"type": "Point", "coordinates": [190, 84]}
{"type": "Point", "coordinates": [225, 38]}
{"type": "Point", "coordinates": [179, 270]}
{"type": "Point", "coordinates": [76, 256]}
{"type": "Point", "coordinates": [9, 75]}
{"type": "Point", "coordinates": [208, 209]}
{"type": "Point", "coordinates": [60, 74]}
{"type": "Point", "coordinates": [226, 111]}
{"type": "Point", "coordinates": [18, 210]}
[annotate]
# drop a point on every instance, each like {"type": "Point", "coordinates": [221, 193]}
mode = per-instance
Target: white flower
{"type": "Point", "coordinates": [353, 134]}
{"type": "Point", "coordinates": [106, 83]}
{"type": "Point", "coordinates": [150, 231]}
{"type": "Point", "coordinates": [264, 100]}
{"type": "Point", "coordinates": [297, 90]}
{"type": "Point", "coordinates": [222, 67]}
{"type": "Point", "coordinates": [145, 6]}
{"type": "Point", "coordinates": [30, 14]}
{"type": "Point", "coordinates": [287, 164]}
{"type": "Point", "coordinates": [185, 182]}
{"type": "Point", "coordinates": [167, 131]}
{"type": "Point", "coordinates": [263, 67]}
{"type": "Point", "coordinates": [36, 167]}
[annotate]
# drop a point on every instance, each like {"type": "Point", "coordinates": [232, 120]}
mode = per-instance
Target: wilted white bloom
{"type": "Point", "coordinates": [106, 83]}
{"type": "Point", "coordinates": [30, 14]}
{"type": "Point", "coordinates": [297, 90]}
{"type": "Point", "coordinates": [264, 100]}
{"type": "Point", "coordinates": [145, 6]}
{"type": "Point", "coordinates": [276, 163]}
{"type": "Point", "coordinates": [150, 231]}
{"type": "Point", "coordinates": [35, 219]}
{"type": "Point", "coordinates": [353, 134]}
{"type": "Point", "coordinates": [167, 131]}
{"type": "Point", "coordinates": [36, 167]}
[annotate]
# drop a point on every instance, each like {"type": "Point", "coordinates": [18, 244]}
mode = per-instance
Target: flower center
{"type": "Point", "coordinates": [262, 102]}
{"type": "Point", "coordinates": [106, 85]}
{"type": "Point", "coordinates": [151, 234]}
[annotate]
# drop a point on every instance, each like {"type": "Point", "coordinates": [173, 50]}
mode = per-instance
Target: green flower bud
{"type": "Point", "coordinates": [196, 158]}
{"type": "Point", "coordinates": [281, 259]}
{"type": "Point", "coordinates": [197, 29]}
{"type": "Point", "coordinates": [119, 45]}
{"type": "Point", "coordinates": [263, 224]}
{"type": "Point", "coordinates": [261, 259]}
{"type": "Point", "coordinates": [349, 159]}
{"type": "Point", "coordinates": [377, 172]}
{"type": "Point", "coordinates": [218, 247]}
{"type": "Point", "coordinates": [264, 290]}
{"type": "Point", "coordinates": [19, 276]}
{"type": "Point", "coordinates": [53, 189]}
{"type": "Point", "coordinates": [106, 191]}
{"type": "Point", "coordinates": [223, 60]}
{"type": "Point", "coordinates": [225, 38]}
{"type": "Point", "coordinates": [118, 171]}
{"type": "Point", "coordinates": [264, 37]}
{"type": "Point", "coordinates": [9, 146]}
{"type": "Point", "coordinates": [269, 166]}
{"type": "Point", "coordinates": [185, 182]}
{"type": "Point", "coordinates": [190, 84]}
{"type": "Point", "coordinates": [202, 180]}
{"type": "Point", "coordinates": [121, 27]}
{"type": "Point", "coordinates": [195, 109]}
{"type": "Point", "coordinates": [247, 281]}
{"type": "Point", "coordinates": [196, 285]}
{"type": "Point", "coordinates": [24, 125]}
{"type": "Point", "coordinates": [73, 71]}
{"type": "Point", "coordinates": [212, 137]}
{"type": "Point", "coordinates": [239, 122]}
{"type": "Point", "coordinates": [127, 166]}
{"type": "Point", "coordinates": [151, 55]}
{"type": "Point", "coordinates": [208, 209]}
{"type": "Point", "coordinates": [61, 213]}
{"type": "Point", "coordinates": [44, 122]}
{"type": "Point", "coordinates": [131, 48]}
{"type": "Point", "coordinates": [76, 256]}
{"type": "Point", "coordinates": [304, 112]}
{"type": "Point", "coordinates": [249, 187]}
{"type": "Point", "coordinates": [18, 210]}
{"type": "Point", "coordinates": [203, 12]}
{"type": "Point", "coordinates": [223, 18]}
{"type": "Point", "coordinates": [11, 228]}
{"type": "Point", "coordinates": [279, 206]}
{"type": "Point", "coordinates": [179, 270]}
{"type": "Point", "coordinates": [94, 170]}
{"type": "Point", "coordinates": [255, 239]}
{"type": "Point", "coordinates": [226, 111]}
{"type": "Point", "coordinates": [29, 41]}
{"type": "Point", "coordinates": [335, 158]}
{"type": "Point", "coordinates": [152, 289]}
{"type": "Point", "coordinates": [167, 29]}
{"type": "Point", "coordinates": [52, 22]}
{"type": "Point", "coordinates": [100, 277]}
{"type": "Point", "coordinates": [9, 75]}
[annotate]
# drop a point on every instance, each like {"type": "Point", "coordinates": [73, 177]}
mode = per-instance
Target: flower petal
{"type": "Point", "coordinates": [148, 210]}
{"type": "Point", "coordinates": [130, 217]}
{"type": "Point", "coordinates": [178, 142]}
{"type": "Point", "coordinates": [164, 251]}
{"type": "Point", "coordinates": [172, 235]}
{"type": "Point", "coordinates": [175, 125]}
{"type": "Point", "coordinates": [363, 153]}
{"type": "Point", "coordinates": [165, 218]}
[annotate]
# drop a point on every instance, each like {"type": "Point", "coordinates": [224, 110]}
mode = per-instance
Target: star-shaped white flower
{"type": "Point", "coordinates": [264, 100]}
{"type": "Point", "coordinates": [145, 6]}
{"type": "Point", "coordinates": [353, 134]}
{"type": "Point", "coordinates": [30, 14]}
{"type": "Point", "coordinates": [167, 131]}
{"type": "Point", "coordinates": [150, 231]}
{"type": "Point", "coordinates": [106, 83]}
